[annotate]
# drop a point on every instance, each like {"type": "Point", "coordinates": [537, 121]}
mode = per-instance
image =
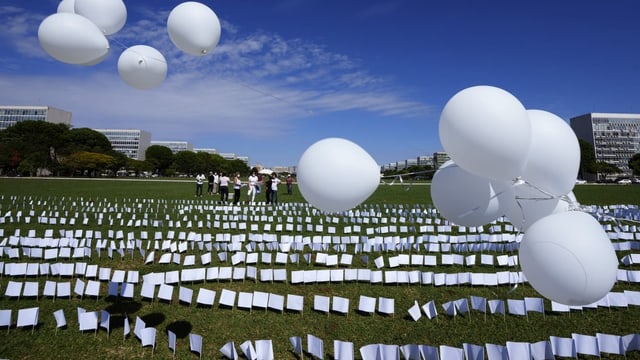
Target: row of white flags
{"type": "Point", "coordinates": [594, 345]}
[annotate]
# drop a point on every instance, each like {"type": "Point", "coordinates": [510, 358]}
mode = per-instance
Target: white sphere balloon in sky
{"type": "Point", "coordinates": [568, 258]}
{"type": "Point", "coordinates": [109, 15]}
{"type": "Point", "coordinates": [66, 6]}
{"type": "Point", "coordinates": [72, 39]}
{"type": "Point", "coordinates": [142, 67]}
{"type": "Point", "coordinates": [335, 175]}
{"type": "Point", "coordinates": [486, 131]}
{"type": "Point", "coordinates": [554, 157]}
{"type": "Point", "coordinates": [194, 28]}
{"type": "Point", "coordinates": [468, 199]}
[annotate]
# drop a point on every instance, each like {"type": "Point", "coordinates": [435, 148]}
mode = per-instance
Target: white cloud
{"type": "Point", "coordinates": [253, 84]}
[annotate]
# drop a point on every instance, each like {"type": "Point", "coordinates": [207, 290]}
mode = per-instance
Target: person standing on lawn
{"type": "Point", "coordinates": [289, 184]}
{"type": "Point", "coordinates": [274, 188]}
{"type": "Point", "coordinates": [199, 183]}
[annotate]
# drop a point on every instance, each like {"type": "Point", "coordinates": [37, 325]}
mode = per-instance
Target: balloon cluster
{"type": "Point", "coordinates": [77, 34]}
{"type": "Point", "coordinates": [508, 160]}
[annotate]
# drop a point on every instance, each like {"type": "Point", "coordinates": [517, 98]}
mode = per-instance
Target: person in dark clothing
{"type": "Point", "coordinates": [210, 181]}
{"type": "Point", "coordinates": [267, 189]}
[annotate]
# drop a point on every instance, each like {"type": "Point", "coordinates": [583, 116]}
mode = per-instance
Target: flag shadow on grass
{"type": "Point", "coordinates": [181, 328]}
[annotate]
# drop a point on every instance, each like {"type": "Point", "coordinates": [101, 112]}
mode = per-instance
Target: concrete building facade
{"type": "Point", "coordinates": [133, 143]}
{"type": "Point", "coordinates": [175, 145]}
{"type": "Point", "coordinates": [615, 137]}
{"type": "Point", "coordinates": [10, 115]}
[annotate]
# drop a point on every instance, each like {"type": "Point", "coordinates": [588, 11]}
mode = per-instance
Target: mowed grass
{"type": "Point", "coordinates": [219, 325]}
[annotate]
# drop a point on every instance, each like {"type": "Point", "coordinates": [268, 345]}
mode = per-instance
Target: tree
{"type": "Point", "coordinates": [204, 162]}
{"type": "Point", "coordinates": [216, 163]}
{"type": "Point", "coordinates": [85, 139]}
{"type": "Point", "coordinates": [39, 142]}
{"type": "Point", "coordinates": [602, 167]}
{"type": "Point", "coordinates": [587, 159]}
{"type": "Point", "coordinates": [90, 162]}
{"type": "Point", "coordinates": [138, 166]}
{"type": "Point", "coordinates": [160, 157]}
{"type": "Point", "coordinates": [185, 162]}
{"type": "Point", "coordinates": [237, 166]}
{"type": "Point", "coordinates": [120, 160]}
{"type": "Point", "coordinates": [634, 164]}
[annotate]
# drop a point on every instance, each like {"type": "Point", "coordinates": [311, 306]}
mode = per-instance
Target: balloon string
{"type": "Point", "coordinates": [518, 268]}
{"type": "Point", "coordinates": [399, 178]}
{"type": "Point", "coordinates": [145, 56]}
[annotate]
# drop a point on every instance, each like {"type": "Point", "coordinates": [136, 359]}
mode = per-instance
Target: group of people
{"type": "Point", "coordinates": [219, 184]}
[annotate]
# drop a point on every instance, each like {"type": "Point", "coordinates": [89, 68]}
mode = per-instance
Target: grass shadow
{"type": "Point", "coordinates": [153, 319]}
{"type": "Point", "coordinates": [124, 307]}
{"type": "Point", "coordinates": [181, 328]}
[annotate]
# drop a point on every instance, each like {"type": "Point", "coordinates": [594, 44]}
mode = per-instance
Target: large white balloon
{"type": "Point", "coordinates": [335, 175]}
{"type": "Point", "coordinates": [66, 6]}
{"type": "Point", "coordinates": [72, 39]}
{"type": "Point", "coordinates": [554, 157]}
{"type": "Point", "coordinates": [142, 67]}
{"type": "Point", "coordinates": [568, 258]}
{"type": "Point", "coordinates": [467, 199]}
{"type": "Point", "coordinates": [530, 205]}
{"type": "Point", "coordinates": [194, 28]}
{"type": "Point", "coordinates": [109, 15]}
{"type": "Point", "coordinates": [486, 131]}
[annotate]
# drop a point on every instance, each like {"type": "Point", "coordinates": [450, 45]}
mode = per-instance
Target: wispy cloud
{"type": "Point", "coordinates": [20, 31]}
{"type": "Point", "coordinates": [256, 84]}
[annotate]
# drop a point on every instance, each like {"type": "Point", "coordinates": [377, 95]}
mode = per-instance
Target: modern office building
{"type": "Point", "coordinates": [244, 159]}
{"type": "Point", "coordinates": [615, 137]}
{"type": "Point", "coordinates": [411, 162]}
{"type": "Point", "coordinates": [422, 160]}
{"type": "Point", "coordinates": [175, 146]}
{"type": "Point", "coordinates": [425, 160]}
{"type": "Point", "coordinates": [440, 158]}
{"type": "Point", "coordinates": [228, 156]}
{"type": "Point", "coordinates": [284, 169]}
{"type": "Point", "coordinates": [132, 143]}
{"type": "Point", "coordinates": [207, 150]}
{"type": "Point", "coordinates": [10, 115]}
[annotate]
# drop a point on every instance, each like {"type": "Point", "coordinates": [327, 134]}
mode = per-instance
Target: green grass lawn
{"type": "Point", "coordinates": [123, 200]}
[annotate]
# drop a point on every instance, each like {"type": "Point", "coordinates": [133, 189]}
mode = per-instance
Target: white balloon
{"type": "Point", "coordinates": [467, 199]}
{"type": "Point", "coordinates": [66, 6]}
{"type": "Point", "coordinates": [554, 157]}
{"type": "Point", "coordinates": [194, 28]}
{"type": "Point", "coordinates": [72, 39]}
{"type": "Point", "coordinates": [95, 61]}
{"type": "Point", "coordinates": [142, 67]}
{"type": "Point", "coordinates": [530, 205]}
{"type": "Point", "coordinates": [568, 258]}
{"type": "Point", "coordinates": [486, 131]}
{"type": "Point", "coordinates": [109, 15]}
{"type": "Point", "coordinates": [335, 175]}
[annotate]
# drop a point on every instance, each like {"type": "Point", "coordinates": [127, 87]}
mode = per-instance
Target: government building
{"type": "Point", "coordinates": [615, 137]}
{"type": "Point", "coordinates": [133, 143]}
{"type": "Point", "coordinates": [10, 115]}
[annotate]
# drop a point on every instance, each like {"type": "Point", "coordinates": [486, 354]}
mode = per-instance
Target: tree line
{"type": "Point", "coordinates": [36, 148]}
{"type": "Point", "coordinates": [39, 148]}
{"type": "Point", "coordinates": [589, 167]}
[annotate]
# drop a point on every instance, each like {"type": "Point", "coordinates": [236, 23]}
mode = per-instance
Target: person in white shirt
{"type": "Point", "coordinates": [253, 187]}
{"type": "Point", "coordinates": [224, 187]}
{"type": "Point", "coordinates": [216, 182]}
{"type": "Point", "coordinates": [237, 185]}
{"type": "Point", "coordinates": [199, 183]}
{"type": "Point", "coordinates": [274, 188]}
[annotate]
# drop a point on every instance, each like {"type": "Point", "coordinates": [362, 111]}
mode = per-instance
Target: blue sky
{"type": "Point", "coordinates": [288, 73]}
